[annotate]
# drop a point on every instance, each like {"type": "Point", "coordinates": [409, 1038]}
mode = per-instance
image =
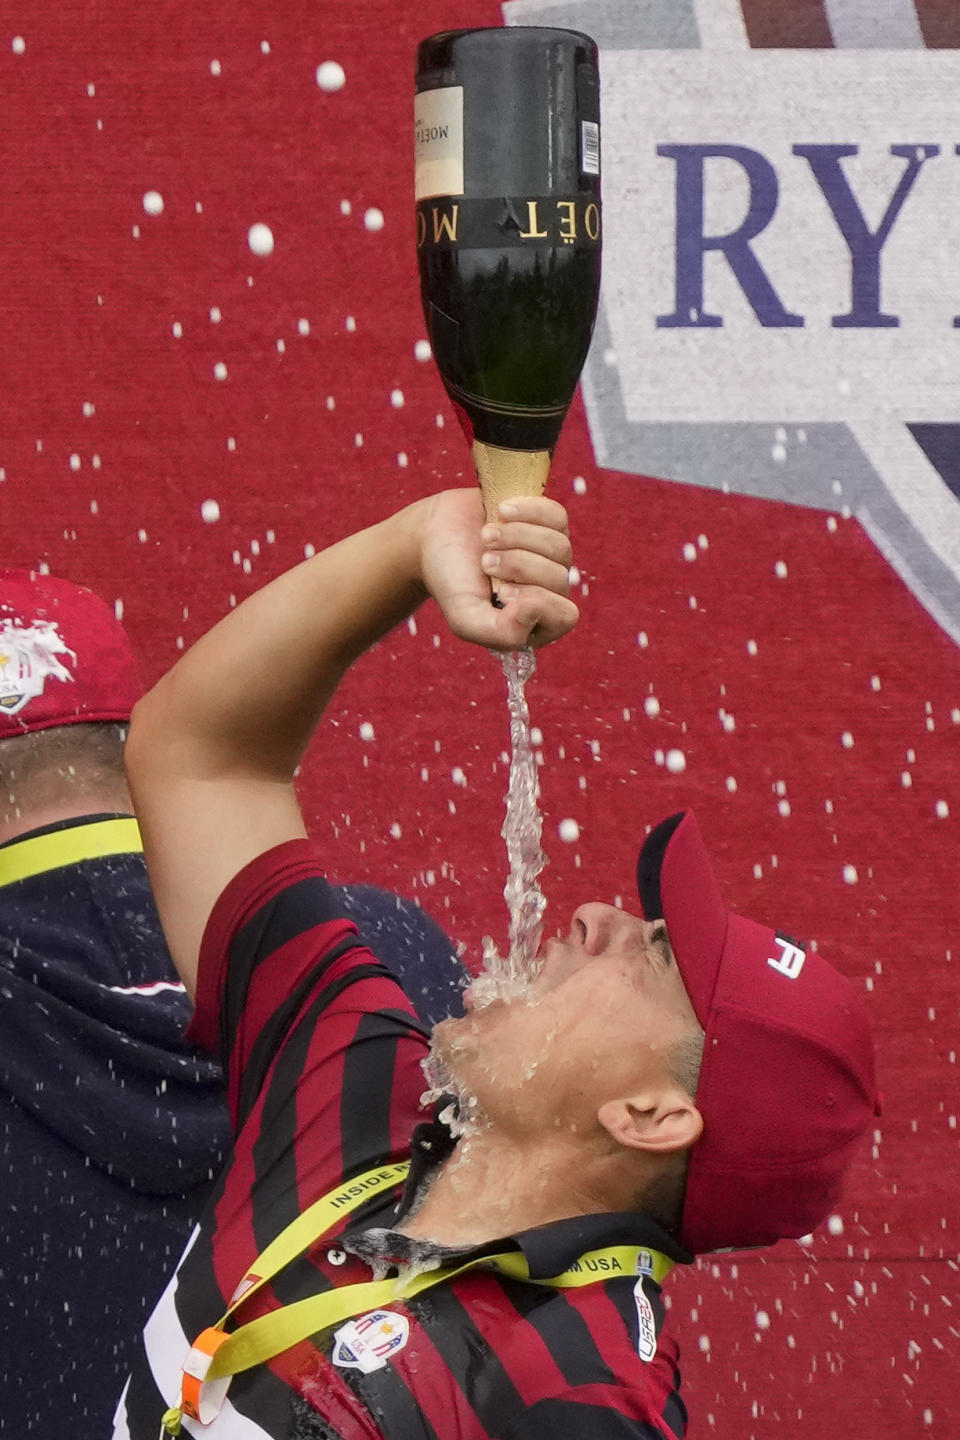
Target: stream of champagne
{"type": "Point", "coordinates": [507, 977]}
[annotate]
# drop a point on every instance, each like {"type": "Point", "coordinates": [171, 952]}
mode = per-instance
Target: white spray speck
{"type": "Point", "coordinates": [350, 324]}
{"type": "Point", "coordinates": [731, 784]}
{"type": "Point", "coordinates": [176, 329]}
{"type": "Point", "coordinates": [264, 47]}
{"type": "Point", "coordinates": [366, 730]}
{"type": "Point", "coordinates": [153, 202]}
{"type": "Point", "coordinates": [846, 740]}
{"type": "Point", "coordinates": [689, 551]}
{"type": "Point", "coordinates": [457, 776]}
{"type": "Point", "coordinates": [942, 809]}
{"type": "Point", "coordinates": [396, 830]}
{"type": "Point", "coordinates": [652, 706]}
{"type": "Point", "coordinates": [569, 831]}
{"type": "Point", "coordinates": [778, 453]}
{"type": "Point", "coordinates": [216, 314]}
{"type": "Point", "coordinates": [74, 462]}
{"type": "Point", "coordinates": [331, 76]}
{"type": "Point", "coordinates": [345, 207]}
{"type": "Point", "coordinates": [396, 399]}
{"type": "Point", "coordinates": [210, 511]}
{"type": "Point", "coordinates": [752, 647]}
{"type": "Point", "coordinates": [780, 570]}
{"type": "Point", "coordinates": [676, 761]}
{"type": "Point", "coordinates": [260, 239]}
{"type": "Point", "coordinates": [220, 371]}
{"type": "Point", "coordinates": [18, 44]}
{"type": "Point", "coordinates": [642, 640]}
{"type": "Point", "coordinates": [373, 219]}
{"type": "Point", "coordinates": [303, 326]}
{"type": "Point", "coordinates": [422, 351]}
{"type": "Point", "coordinates": [850, 875]}
{"type": "Point", "coordinates": [216, 68]}
{"type": "Point", "coordinates": [835, 1225]}
{"type": "Point", "coordinates": [762, 1320]}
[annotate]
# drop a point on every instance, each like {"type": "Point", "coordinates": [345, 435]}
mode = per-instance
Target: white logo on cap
{"type": "Point", "coordinates": [28, 655]}
{"type": "Point", "coordinates": [790, 961]}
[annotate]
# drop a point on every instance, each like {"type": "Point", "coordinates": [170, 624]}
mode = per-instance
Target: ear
{"type": "Point", "coordinates": [660, 1123]}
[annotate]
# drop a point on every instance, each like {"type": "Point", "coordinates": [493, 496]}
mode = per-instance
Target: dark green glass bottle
{"type": "Point", "coordinates": [508, 233]}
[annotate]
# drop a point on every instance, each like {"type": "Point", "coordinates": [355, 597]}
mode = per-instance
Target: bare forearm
{"type": "Point", "coordinates": [246, 698]}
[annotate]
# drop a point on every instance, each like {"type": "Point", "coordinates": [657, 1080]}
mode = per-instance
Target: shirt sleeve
{"type": "Point", "coordinates": [286, 987]}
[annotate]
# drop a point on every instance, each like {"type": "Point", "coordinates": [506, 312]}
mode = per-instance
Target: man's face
{"type": "Point", "coordinates": [599, 1023]}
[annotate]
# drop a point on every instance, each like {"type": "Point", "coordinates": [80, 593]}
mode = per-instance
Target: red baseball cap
{"type": "Point", "coordinates": [64, 656]}
{"type": "Point", "coordinates": [786, 1087]}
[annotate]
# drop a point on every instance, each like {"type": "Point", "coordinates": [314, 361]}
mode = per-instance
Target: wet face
{"type": "Point", "coordinates": [599, 1023]}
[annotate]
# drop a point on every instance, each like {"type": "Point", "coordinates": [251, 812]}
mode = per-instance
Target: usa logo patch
{"type": "Point", "coordinates": [367, 1343]}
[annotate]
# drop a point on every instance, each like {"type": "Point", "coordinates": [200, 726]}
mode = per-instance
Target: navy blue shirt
{"type": "Point", "coordinates": [112, 1127]}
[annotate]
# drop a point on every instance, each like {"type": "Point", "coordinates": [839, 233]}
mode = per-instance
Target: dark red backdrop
{"type": "Point", "coordinates": [116, 429]}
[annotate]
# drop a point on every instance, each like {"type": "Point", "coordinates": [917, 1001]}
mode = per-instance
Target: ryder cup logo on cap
{"type": "Point", "coordinates": [64, 657]}
{"type": "Point", "coordinates": [28, 658]}
{"type": "Point", "coordinates": [368, 1343]}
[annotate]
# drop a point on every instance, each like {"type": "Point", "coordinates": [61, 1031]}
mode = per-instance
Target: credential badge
{"type": "Point", "coordinates": [367, 1343]}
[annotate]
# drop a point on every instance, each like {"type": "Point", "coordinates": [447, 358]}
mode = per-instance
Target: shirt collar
{"type": "Point", "coordinates": [548, 1249]}
{"type": "Point", "coordinates": [67, 842]}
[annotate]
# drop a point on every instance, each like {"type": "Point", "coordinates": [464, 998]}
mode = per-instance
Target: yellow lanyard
{"type": "Point", "coordinates": [216, 1356]}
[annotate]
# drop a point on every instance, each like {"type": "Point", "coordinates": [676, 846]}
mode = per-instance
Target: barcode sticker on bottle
{"type": "Point", "coordinates": [589, 147]}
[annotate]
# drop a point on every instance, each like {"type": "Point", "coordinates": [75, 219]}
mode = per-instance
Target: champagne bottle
{"type": "Point", "coordinates": [507, 126]}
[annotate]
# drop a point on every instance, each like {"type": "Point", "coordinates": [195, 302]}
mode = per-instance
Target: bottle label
{"type": "Point", "coordinates": [438, 141]}
{"type": "Point", "coordinates": [511, 222]}
{"type": "Point", "coordinates": [548, 221]}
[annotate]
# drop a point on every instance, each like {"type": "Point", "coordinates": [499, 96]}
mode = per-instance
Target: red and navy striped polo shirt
{"type": "Point", "coordinates": [322, 1052]}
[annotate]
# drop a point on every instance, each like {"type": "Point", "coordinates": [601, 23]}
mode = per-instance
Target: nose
{"type": "Point", "coordinates": [598, 926]}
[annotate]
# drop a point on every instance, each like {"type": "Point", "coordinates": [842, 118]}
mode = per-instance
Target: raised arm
{"type": "Point", "coordinates": [211, 766]}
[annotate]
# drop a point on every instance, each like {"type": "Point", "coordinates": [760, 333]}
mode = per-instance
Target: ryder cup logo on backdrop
{"type": "Point", "coordinates": [781, 300]}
